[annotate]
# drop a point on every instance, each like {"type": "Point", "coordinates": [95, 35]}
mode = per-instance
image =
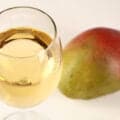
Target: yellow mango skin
{"type": "Point", "coordinates": [85, 77]}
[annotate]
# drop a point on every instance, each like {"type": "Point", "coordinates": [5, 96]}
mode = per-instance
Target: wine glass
{"type": "Point", "coordinates": [30, 59]}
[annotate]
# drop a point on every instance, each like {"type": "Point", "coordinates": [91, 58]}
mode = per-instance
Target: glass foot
{"type": "Point", "coordinates": [26, 116]}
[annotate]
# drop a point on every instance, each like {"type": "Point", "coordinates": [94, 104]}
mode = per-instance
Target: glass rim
{"type": "Point", "coordinates": [41, 11]}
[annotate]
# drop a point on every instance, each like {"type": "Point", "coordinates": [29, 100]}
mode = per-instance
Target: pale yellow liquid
{"type": "Point", "coordinates": [28, 74]}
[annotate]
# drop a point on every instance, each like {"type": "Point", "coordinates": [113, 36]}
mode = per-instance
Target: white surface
{"type": "Point", "coordinates": [72, 17]}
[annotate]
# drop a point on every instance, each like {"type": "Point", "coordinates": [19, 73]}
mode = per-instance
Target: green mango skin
{"type": "Point", "coordinates": [91, 64]}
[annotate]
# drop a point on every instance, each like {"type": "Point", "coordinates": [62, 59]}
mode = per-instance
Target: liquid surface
{"type": "Point", "coordinates": [28, 72]}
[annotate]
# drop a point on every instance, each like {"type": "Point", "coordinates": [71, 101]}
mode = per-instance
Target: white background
{"type": "Point", "coordinates": [72, 17]}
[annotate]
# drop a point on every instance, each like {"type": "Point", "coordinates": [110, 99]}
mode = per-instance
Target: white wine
{"type": "Point", "coordinates": [28, 70]}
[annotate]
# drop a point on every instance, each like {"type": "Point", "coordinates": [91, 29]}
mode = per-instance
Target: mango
{"type": "Point", "coordinates": [91, 64]}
